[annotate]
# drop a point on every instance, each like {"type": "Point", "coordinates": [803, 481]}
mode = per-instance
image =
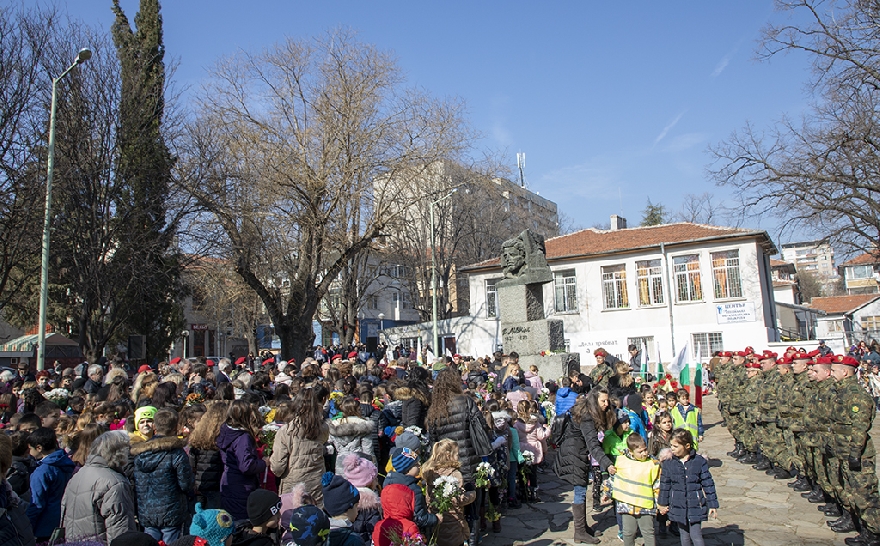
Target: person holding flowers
{"type": "Point", "coordinates": [446, 494]}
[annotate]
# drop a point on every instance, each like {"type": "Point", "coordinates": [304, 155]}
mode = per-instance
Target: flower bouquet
{"type": "Point", "coordinates": [667, 384]}
{"type": "Point", "coordinates": [406, 539]}
{"type": "Point", "coordinates": [59, 397]}
{"type": "Point", "coordinates": [549, 409]}
{"type": "Point", "coordinates": [528, 460]}
{"type": "Point", "coordinates": [490, 384]}
{"type": "Point", "coordinates": [483, 475]}
{"type": "Point", "coordinates": [267, 436]}
{"type": "Point", "coordinates": [445, 493]}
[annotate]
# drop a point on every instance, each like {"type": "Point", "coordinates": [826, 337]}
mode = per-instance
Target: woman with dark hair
{"type": "Point", "coordinates": [165, 395]}
{"type": "Point", "coordinates": [242, 465]}
{"type": "Point", "coordinates": [414, 399]}
{"type": "Point", "coordinates": [580, 435]}
{"type": "Point", "coordinates": [298, 451]}
{"type": "Point", "coordinates": [451, 416]}
{"type": "Point", "coordinates": [82, 441]}
{"type": "Point", "coordinates": [204, 456]}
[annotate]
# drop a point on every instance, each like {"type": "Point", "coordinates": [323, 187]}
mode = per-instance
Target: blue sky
{"type": "Point", "coordinates": [612, 103]}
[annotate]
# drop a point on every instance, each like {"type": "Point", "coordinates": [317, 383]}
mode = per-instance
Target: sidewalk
{"type": "Point", "coordinates": [756, 510]}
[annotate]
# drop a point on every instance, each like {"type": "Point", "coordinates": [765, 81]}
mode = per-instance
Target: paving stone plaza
{"type": "Point", "coordinates": [756, 510]}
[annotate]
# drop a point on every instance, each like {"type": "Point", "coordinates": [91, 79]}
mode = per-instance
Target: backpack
{"type": "Point", "coordinates": [559, 428]}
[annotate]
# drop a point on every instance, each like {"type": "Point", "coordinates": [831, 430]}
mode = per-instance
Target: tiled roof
{"type": "Point", "coordinates": [590, 242]}
{"type": "Point", "coordinates": [839, 305]}
{"type": "Point", "coordinates": [864, 259]}
{"type": "Point", "coordinates": [779, 263]}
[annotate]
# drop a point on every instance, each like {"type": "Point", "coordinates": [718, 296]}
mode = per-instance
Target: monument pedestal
{"type": "Point", "coordinates": [525, 330]}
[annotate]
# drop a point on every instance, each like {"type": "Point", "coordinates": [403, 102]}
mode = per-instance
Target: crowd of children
{"type": "Point", "coordinates": [342, 453]}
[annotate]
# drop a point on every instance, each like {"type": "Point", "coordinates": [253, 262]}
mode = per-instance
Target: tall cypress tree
{"type": "Point", "coordinates": [144, 168]}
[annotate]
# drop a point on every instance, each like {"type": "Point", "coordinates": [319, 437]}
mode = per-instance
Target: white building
{"type": "Point", "coordinates": [814, 256]}
{"type": "Point", "coordinates": [657, 287]}
{"type": "Point", "coordinates": [848, 319]}
{"type": "Point", "coordinates": [861, 275]}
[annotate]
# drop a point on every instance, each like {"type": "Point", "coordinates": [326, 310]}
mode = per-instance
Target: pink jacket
{"type": "Point", "coordinates": [532, 436]}
{"type": "Point", "coordinates": [534, 380]}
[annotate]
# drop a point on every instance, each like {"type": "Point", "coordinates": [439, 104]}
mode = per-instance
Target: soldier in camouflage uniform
{"type": "Point", "coordinates": [820, 404]}
{"type": "Point", "coordinates": [769, 437]}
{"type": "Point", "coordinates": [792, 421]}
{"type": "Point", "coordinates": [722, 391]}
{"type": "Point", "coordinates": [783, 458]}
{"type": "Point", "coordinates": [855, 455]}
{"type": "Point", "coordinates": [750, 412]}
{"type": "Point", "coordinates": [737, 380]}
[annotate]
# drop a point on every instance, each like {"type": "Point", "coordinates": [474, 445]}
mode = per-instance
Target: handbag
{"type": "Point", "coordinates": [478, 434]}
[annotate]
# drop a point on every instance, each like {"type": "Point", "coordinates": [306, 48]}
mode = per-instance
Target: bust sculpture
{"type": "Point", "coordinates": [524, 260]}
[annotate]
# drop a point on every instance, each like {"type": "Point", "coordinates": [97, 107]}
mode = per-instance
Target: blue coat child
{"type": "Point", "coordinates": [687, 488]}
{"type": "Point", "coordinates": [47, 487]}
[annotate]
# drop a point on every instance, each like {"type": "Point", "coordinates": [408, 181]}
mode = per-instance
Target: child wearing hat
{"type": "Point", "coordinates": [264, 514]}
{"type": "Point", "coordinates": [361, 473]}
{"type": "Point", "coordinates": [309, 526]}
{"type": "Point", "coordinates": [341, 500]}
{"type": "Point", "coordinates": [397, 505]}
{"type": "Point", "coordinates": [143, 424]}
{"type": "Point", "coordinates": [405, 465]}
{"type": "Point", "coordinates": [216, 527]}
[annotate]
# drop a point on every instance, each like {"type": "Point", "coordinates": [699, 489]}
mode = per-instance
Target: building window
{"type": "Point", "coordinates": [492, 309]}
{"type": "Point", "coordinates": [725, 270]}
{"type": "Point", "coordinates": [395, 299]}
{"type": "Point", "coordinates": [397, 271]}
{"type": "Point", "coordinates": [871, 323]}
{"type": "Point", "coordinates": [614, 287]}
{"type": "Point", "coordinates": [566, 292]}
{"type": "Point", "coordinates": [861, 271]}
{"type": "Point", "coordinates": [835, 325]}
{"type": "Point", "coordinates": [687, 277]}
{"type": "Point", "coordinates": [373, 302]}
{"type": "Point", "coordinates": [649, 276]}
{"type": "Point", "coordinates": [705, 345]}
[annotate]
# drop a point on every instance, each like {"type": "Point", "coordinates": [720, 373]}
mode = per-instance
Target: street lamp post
{"type": "Point", "coordinates": [434, 273]}
{"type": "Point", "coordinates": [84, 55]}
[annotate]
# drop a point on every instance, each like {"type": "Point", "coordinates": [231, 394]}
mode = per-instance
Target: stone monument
{"type": "Point", "coordinates": [524, 328]}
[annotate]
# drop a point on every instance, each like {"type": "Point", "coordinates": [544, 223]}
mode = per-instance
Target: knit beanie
{"type": "Point", "coordinates": [402, 459]}
{"type": "Point", "coordinates": [134, 538]}
{"type": "Point", "coordinates": [339, 494]}
{"type": "Point", "coordinates": [309, 526]}
{"type": "Point", "coordinates": [408, 439]}
{"type": "Point", "coordinates": [144, 412]}
{"type": "Point", "coordinates": [262, 505]}
{"type": "Point", "coordinates": [359, 471]}
{"type": "Point", "coordinates": [634, 403]}
{"type": "Point", "coordinates": [212, 525]}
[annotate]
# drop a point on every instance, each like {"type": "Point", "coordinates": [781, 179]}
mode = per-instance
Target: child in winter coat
{"type": "Point", "coordinates": [687, 491]}
{"type": "Point", "coordinates": [54, 470]}
{"type": "Point", "coordinates": [533, 379]}
{"type": "Point", "coordinates": [242, 465]}
{"type": "Point", "coordinates": [361, 473]}
{"type": "Point", "coordinates": [614, 442]}
{"type": "Point", "coordinates": [635, 488]}
{"type": "Point", "coordinates": [532, 438]}
{"type": "Point", "coordinates": [341, 500]}
{"type": "Point", "coordinates": [499, 459]}
{"type": "Point", "coordinates": [405, 463]}
{"type": "Point", "coordinates": [686, 415]}
{"type": "Point", "coordinates": [397, 505]}
{"type": "Point", "coordinates": [352, 433]}
{"type": "Point", "coordinates": [453, 528]}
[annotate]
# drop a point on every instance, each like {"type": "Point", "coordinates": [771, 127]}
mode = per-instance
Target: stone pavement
{"type": "Point", "coordinates": [756, 510]}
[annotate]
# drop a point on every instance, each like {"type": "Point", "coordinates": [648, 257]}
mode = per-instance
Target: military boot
{"type": "Point", "coordinates": [832, 511]}
{"type": "Point", "coordinates": [844, 524]}
{"type": "Point", "coordinates": [763, 464]}
{"type": "Point", "coordinates": [817, 497]}
{"type": "Point", "coordinates": [783, 474]}
{"type": "Point", "coordinates": [749, 457]}
{"type": "Point", "coordinates": [865, 538]}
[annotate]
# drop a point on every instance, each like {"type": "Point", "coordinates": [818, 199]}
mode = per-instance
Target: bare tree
{"type": "Point", "coordinates": [25, 38]}
{"type": "Point", "coordinates": [699, 209]}
{"type": "Point", "coordinates": [819, 173]}
{"type": "Point", "coordinates": [285, 152]}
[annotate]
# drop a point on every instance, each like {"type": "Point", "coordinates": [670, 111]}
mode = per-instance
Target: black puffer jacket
{"type": "Point", "coordinates": [579, 442]}
{"type": "Point", "coordinates": [414, 406]}
{"type": "Point", "coordinates": [455, 426]}
{"type": "Point", "coordinates": [207, 468]}
{"type": "Point", "coordinates": [162, 478]}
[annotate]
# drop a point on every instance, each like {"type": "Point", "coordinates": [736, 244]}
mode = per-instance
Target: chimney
{"type": "Point", "coordinates": [617, 222]}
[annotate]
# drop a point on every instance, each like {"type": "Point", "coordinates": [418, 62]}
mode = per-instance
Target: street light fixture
{"type": "Point", "coordinates": [84, 55]}
{"type": "Point", "coordinates": [434, 273]}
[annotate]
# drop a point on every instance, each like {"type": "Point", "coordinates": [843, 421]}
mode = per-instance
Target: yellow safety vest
{"type": "Point", "coordinates": [689, 424]}
{"type": "Point", "coordinates": [634, 481]}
